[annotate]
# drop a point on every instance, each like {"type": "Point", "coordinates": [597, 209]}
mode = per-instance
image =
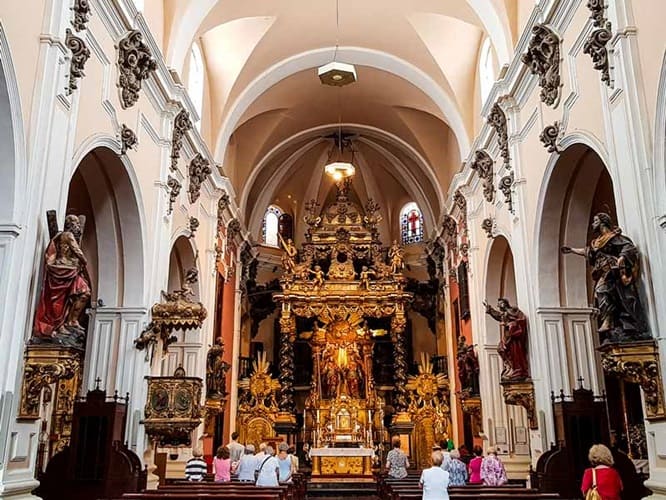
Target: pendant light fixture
{"type": "Point", "coordinates": [336, 73]}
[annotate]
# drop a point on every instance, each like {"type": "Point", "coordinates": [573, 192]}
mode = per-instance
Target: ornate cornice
{"type": "Point", "coordinates": [543, 59]}
{"type": "Point", "coordinates": [135, 64]}
{"type": "Point", "coordinates": [483, 165]}
{"type": "Point", "coordinates": [80, 55]}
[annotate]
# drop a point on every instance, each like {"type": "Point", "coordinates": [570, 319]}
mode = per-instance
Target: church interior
{"type": "Point", "coordinates": [340, 227]}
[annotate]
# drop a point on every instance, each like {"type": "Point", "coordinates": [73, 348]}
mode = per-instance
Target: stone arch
{"type": "Point", "coordinates": [183, 257]}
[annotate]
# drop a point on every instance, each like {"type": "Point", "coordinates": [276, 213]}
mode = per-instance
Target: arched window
{"type": "Point", "coordinates": [269, 230]}
{"type": "Point", "coordinates": [195, 81]}
{"type": "Point", "coordinates": [411, 224]}
{"type": "Point", "coordinates": [486, 70]}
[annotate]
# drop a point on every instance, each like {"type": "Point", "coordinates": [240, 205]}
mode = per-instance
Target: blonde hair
{"type": "Point", "coordinates": [196, 452]}
{"type": "Point", "coordinates": [600, 455]}
{"type": "Point", "coordinates": [437, 458]}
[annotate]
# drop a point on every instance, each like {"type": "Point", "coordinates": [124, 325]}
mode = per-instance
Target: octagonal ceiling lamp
{"type": "Point", "coordinates": [336, 73]}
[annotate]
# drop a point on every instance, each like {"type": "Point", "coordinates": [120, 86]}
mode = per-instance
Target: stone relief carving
{"type": "Point", "coordinates": [549, 137]}
{"type": "Point", "coordinates": [506, 186]}
{"type": "Point", "coordinates": [128, 139]}
{"type": "Point", "coordinates": [483, 165]}
{"type": "Point", "coordinates": [543, 59]}
{"type": "Point", "coordinates": [595, 46]}
{"type": "Point", "coordinates": [80, 55]}
{"type": "Point", "coordinates": [174, 190]}
{"type": "Point", "coordinates": [497, 120]}
{"type": "Point", "coordinates": [192, 226]}
{"type": "Point", "coordinates": [222, 205]}
{"type": "Point", "coordinates": [597, 10]}
{"type": "Point", "coordinates": [81, 9]}
{"type": "Point", "coordinates": [181, 124]}
{"type": "Point", "coordinates": [199, 171]}
{"type": "Point", "coordinates": [233, 228]}
{"type": "Point", "coordinates": [487, 225]}
{"type": "Point", "coordinates": [135, 64]}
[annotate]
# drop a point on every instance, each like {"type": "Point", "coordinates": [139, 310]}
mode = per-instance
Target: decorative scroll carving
{"type": "Point", "coordinates": [135, 64]}
{"type": "Point", "coordinates": [638, 363]}
{"type": "Point", "coordinates": [597, 12]}
{"type": "Point", "coordinates": [177, 311]}
{"type": "Point", "coordinates": [506, 186]}
{"type": "Point", "coordinates": [174, 190]}
{"type": "Point", "coordinates": [181, 125]}
{"type": "Point", "coordinates": [497, 120]}
{"type": "Point", "coordinates": [172, 409]}
{"type": "Point", "coordinates": [460, 201]}
{"type": "Point", "coordinates": [233, 229]}
{"type": "Point", "coordinates": [80, 55]}
{"type": "Point", "coordinates": [483, 165]}
{"type": "Point", "coordinates": [543, 59]}
{"type": "Point", "coordinates": [81, 9]}
{"type": "Point", "coordinates": [128, 139]}
{"type": "Point", "coordinates": [192, 226]}
{"type": "Point", "coordinates": [449, 231]}
{"type": "Point", "coordinates": [521, 394]}
{"type": "Point", "coordinates": [222, 205]}
{"type": "Point", "coordinates": [487, 225]}
{"type": "Point", "coordinates": [549, 137]}
{"type": "Point", "coordinates": [199, 171]}
{"type": "Point", "coordinates": [596, 47]}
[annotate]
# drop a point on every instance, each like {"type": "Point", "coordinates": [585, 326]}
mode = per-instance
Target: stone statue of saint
{"type": "Point", "coordinates": [396, 256]}
{"type": "Point", "coordinates": [512, 347]}
{"type": "Point", "coordinates": [65, 290]}
{"type": "Point", "coordinates": [468, 366]}
{"type": "Point", "coordinates": [615, 268]}
{"type": "Point", "coordinates": [216, 370]}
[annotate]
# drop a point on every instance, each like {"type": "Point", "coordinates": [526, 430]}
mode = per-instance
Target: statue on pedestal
{"type": "Point", "coordinates": [66, 287]}
{"type": "Point", "coordinates": [288, 255]}
{"type": "Point", "coordinates": [396, 256]}
{"type": "Point", "coordinates": [468, 366]}
{"type": "Point", "coordinates": [615, 268]}
{"type": "Point", "coordinates": [512, 347]}
{"type": "Point", "coordinates": [216, 371]}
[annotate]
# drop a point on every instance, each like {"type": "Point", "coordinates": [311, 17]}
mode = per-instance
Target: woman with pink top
{"type": "Point", "coordinates": [222, 465]}
{"type": "Point", "coordinates": [475, 466]}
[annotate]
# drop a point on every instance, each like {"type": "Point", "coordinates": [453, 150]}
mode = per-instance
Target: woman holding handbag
{"type": "Point", "coordinates": [601, 481]}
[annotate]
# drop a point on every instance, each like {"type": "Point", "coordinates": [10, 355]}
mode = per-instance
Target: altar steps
{"type": "Point", "coordinates": [342, 488]}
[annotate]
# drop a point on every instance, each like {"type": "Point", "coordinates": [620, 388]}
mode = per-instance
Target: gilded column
{"type": "Point", "coordinates": [286, 364]}
{"type": "Point", "coordinates": [398, 323]}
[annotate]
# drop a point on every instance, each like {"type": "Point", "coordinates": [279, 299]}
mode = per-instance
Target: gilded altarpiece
{"type": "Point", "coordinates": [341, 280]}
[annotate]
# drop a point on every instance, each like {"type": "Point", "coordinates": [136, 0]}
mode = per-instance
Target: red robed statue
{"type": "Point", "coordinates": [66, 287]}
{"type": "Point", "coordinates": [512, 347]}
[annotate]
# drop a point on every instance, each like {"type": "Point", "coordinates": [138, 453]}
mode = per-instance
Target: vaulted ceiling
{"type": "Point", "coordinates": [413, 111]}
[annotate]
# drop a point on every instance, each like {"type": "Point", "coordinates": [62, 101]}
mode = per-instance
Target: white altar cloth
{"type": "Point", "coordinates": [341, 452]}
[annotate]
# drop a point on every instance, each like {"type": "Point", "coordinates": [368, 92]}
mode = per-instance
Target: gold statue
{"type": "Point", "coordinates": [365, 277]}
{"type": "Point", "coordinates": [318, 280]}
{"type": "Point", "coordinates": [289, 255]}
{"type": "Point", "coordinates": [396, 256]}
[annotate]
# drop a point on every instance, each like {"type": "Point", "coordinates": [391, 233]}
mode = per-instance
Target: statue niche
{"type": "Point", "coordinates": [614, 260]}
{"type": "Point", "coordinates": [66, 287]}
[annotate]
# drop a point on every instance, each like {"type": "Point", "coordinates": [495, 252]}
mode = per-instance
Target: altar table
{"type": "Point", "coordinates": [341, 461]}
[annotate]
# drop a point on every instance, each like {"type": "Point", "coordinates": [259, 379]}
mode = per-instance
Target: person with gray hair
{"type": "Point", "coordinates": [247, 465]}
{"type": "Point", "coordinates": [268, 470]}
{"type": "Point", "coordinates": [456, 468]}
{"type": "Point", "coordinates": [435, 480]}
{"type": "Point", "coordinates": [286, 463]}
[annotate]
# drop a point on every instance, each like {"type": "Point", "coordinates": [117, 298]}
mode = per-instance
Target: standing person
{"type": "Point", "coordinates": [247, 465]}
{"type": "Point", "coordinates": [268, 469]}
{"type": "Point", "coordinates": [286, 464]}
{"type": "Point", "coordinates": [262, 451]}
{"type": "Point", "coordinates": [294, 458]}
{"type": "Point", "coordinates": [492, 469]}
{"type": "Point", "coordinates": [396, 461]}
{"type": "Point", "coordinates": [475, 466]}
{"type": "Point", "coordinates": [196, 468]}
{"type": "Point", "coordinates": [222, 465]}
{"type": "Point", "coordinates": [457, 469]}
{"type": "Point", "coordinates": [236, 449]}
{"type": "Point", "coordinates": [602, 475]}
{"type": "Point", "coordinates": [435, 480]}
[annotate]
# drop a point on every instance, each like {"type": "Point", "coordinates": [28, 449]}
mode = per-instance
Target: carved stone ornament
{"type": "Point", "coordinates": [460, 201]}
{"type": "Point", "coordinates": [497, 120]}
{"type": "Point", "coordinates": [80, 55]}
{"type": "Point", "coordinates": [181, 124]}
{"type": "Point", "coordinates": [233, 229]}
{"type": "Point", "coordinates": [487, 225]}
{"type": "Point", "coordinates": [128, 139]}
{"type": "Point", "coordinates": [81, 9]}
{"type": "Point", "coordinates": [469, 404]}
{"type": "Point", "coordinates": [521, 394]}
{"type": "Point", "coordinates": [449, 231]}
{"type": "Point", "coordinates": [549, 137]}
{"type": "Point", "coordinates": [483, 165]}
{"type": "Point", "coordinates": [193, 225]}
{"type": "Point", "coordinates": [638, 363]}
{"type": "Point", "coordinates": [135, 64]}
{"type": "Point", "coordinates": [543, 59]}
{"type": "Point", "coordinates": [173, 409]}
{"type": "Point", "coordinates": [596, 47]}
{"type": "Point", "coordinates": [199, 170]}
{"type": "Point", "coordinates": [506, 186]}
{"type": "Point", "coordinates": [174, 190]}
{"type": "Point", "coordinates": [597, 10]}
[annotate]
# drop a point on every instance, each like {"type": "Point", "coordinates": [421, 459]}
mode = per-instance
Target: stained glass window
{"type": "Point", "coordinates": [411, 224]}
{"type": "Point", "coordinates": [269, 230]}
